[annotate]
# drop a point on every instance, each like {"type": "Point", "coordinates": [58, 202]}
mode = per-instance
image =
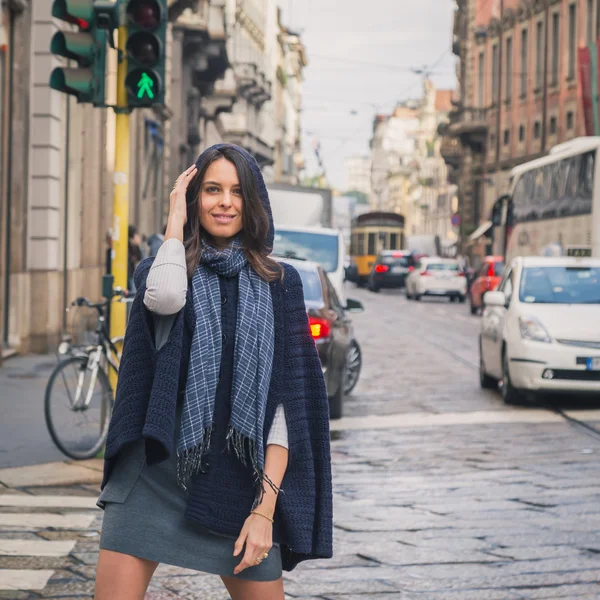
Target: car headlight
{"type": "Point", "coordinates": [532, 329]}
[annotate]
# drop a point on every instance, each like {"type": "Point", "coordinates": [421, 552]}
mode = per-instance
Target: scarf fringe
{"type": "Point", "coordinates": [189, 461]}
{"type": "Point", "coordinates": [244, 449]}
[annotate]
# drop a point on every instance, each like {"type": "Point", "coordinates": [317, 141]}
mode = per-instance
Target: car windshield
{"type": "Point", "coordinates": [311, 282]}
{"type": "Point", "coordinates": [394, 261]}
{"type": "Point", "coordinates": [498, 268]}
{"type": "Point", "coordinates": [442, 267]}
{"type": "Point", "coordinates": [560, 285]}
{"type": "Point", "coordinates": [316, 247]}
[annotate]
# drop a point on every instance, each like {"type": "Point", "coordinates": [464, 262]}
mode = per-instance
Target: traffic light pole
{"type": "Point", "coordinates": [121, 190]}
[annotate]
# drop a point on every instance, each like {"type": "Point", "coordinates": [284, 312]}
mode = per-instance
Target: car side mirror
{"type": "Point", "coordinates": [495, 299]}
{"type": "Point", "coordinates": [354, 306]}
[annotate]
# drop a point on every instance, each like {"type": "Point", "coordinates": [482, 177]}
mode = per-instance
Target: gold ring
{"type": "Point", "coordinates": [258, 561]}
{"type": "Point", "coordinates": [266, 555]}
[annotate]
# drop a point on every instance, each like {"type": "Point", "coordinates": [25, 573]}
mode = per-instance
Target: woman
{"type": "Point", "coordinates": [217, 457]}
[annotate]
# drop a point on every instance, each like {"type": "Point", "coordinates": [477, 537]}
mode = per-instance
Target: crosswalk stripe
{"type": "Point", "coordinates": [44, 520]}
{"type": "Point", "coordinates": [24, 579]}
{"type": "Point", "coordinates": [28, 500]}
{"type": "Point", "coordinates": [36, 547]}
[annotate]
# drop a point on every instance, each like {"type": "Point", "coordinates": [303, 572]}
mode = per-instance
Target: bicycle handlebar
{"type": "Point", "coordinates": [83, 301]}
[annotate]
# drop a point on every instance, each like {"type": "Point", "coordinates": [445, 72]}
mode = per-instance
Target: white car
{"type": "Point", "coordinates": [540, 330]}
{"type": "Point", "coordinates": [316, 244]}
{"type": "Point", "coordinates": [437, 277]}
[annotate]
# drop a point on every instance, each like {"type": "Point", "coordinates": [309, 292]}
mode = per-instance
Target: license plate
{"type": "Point", "coordinates": [398, 270]}
{"type": "Point", "coordinates": [593, 364]}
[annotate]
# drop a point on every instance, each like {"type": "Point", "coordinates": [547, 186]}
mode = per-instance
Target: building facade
{"type": "Point", "coordinates": [393, 144]}
{"type": "Point", "coordinates": [57, 156]}
{"type": "Point", "coordinates": [357, 171]}
{"type": "Point", "coordinates": [519, 93]}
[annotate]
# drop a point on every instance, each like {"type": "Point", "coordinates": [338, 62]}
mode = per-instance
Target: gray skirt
{"type": "Point", "coordinates": [144, 517]}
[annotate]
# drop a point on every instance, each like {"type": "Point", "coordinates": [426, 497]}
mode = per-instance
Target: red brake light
{"type": "Point", "coordinates": [425, 274]}
{"type": "Point", "coordinates": [411, 269]}
{"type": "Point", "coordinates": [381, 268]}
{"type": "Point", "coordinates": [490, 272]}
{"type": "Point", "coordinates": [319, 328]}
{"type": "Point", "coordinates": [462, 274]}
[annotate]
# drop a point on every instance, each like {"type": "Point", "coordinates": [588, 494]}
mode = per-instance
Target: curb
{"type": "Point", "coordinates": [54, 473]}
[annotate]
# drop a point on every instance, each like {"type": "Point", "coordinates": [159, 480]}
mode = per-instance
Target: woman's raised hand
{"type": "Point", "coordinates": [178, 208]}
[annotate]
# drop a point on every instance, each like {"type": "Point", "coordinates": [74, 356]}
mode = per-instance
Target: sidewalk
{"type": "Point", "coordinates": [23, 434]}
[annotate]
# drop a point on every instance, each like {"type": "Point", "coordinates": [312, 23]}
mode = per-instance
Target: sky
{"type": "Point", "coordinates": [360, 56]}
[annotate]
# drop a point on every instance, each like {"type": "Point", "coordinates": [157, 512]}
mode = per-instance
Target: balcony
{"type": "Point", "coordinates": [470, 125]}
{"type": "Point", "coordinates": [451, 151]}
{"type": "Point", "coordinates": [252, 83]}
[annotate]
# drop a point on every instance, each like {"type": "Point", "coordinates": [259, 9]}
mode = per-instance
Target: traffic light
{"type": "Point", "coordinates": [86, 46]}
{"type": "Point", "coordinates": [146, 51]}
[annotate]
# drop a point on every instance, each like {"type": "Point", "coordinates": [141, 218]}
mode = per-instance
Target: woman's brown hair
{"type": "Point", "coordinates": [255, 221]}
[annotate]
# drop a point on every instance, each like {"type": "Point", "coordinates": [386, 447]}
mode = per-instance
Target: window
{"type": "Point", "coordinates": [560, 285]}
{"type": "Point", "coordinates": [481, 80]}
{"type": "Point", "coordinates": [495, 72]}
{"type": "Point", "coordinates": [590, 22]}
{"type": "Point", "coordinates": [506, 286]}
{"type": "Point", "coordinates": [570, 120]}
{"type": "Point", "coordinates": [522, 133]}
{"type": "Point", "coordinates": [393, 241]}
{"type": "Point", "coordinates": [316, 247]}
{"type": "Point", "coordinates": [553, 125]}
{"type": "Point", "coordinates": [371, 249]}
{"type": "Point", "coordinates": [311, 284]}
{"type": "Point", "coordinates": [555, 48]}
{"type": "Point", "coordinates": [539, 55]}
{"type": "Point", "coordinates": [506, 137]}
{"type": "Point", "coordinates": [360, 251]}
{"type": "Point", "coordinates": [572, 42]}
{"type": "Point", "coordinates": [524, 59]}
{"type": "Point", "coordinates": [536, 130]}
{"type": "Point", "coordinates": [509, 68]}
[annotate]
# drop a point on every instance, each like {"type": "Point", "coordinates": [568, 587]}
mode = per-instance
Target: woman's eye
{"type": "Point", "coordinates": [237, 192]}
{"type": "Point", "coordinates": [212, 189]}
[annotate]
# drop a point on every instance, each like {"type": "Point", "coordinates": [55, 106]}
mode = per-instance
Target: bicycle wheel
{"type": "Point", "coordinates": [79, 433]}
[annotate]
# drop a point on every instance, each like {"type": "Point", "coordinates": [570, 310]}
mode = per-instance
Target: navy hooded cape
{"type": "Point", "coordinates": [146, 401]}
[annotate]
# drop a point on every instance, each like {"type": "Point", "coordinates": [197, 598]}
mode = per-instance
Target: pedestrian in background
{"type": "Point", "coordinates": [135, 255]}
{"type": "Point", "coordinates": [217, 457]}
{"type": "Point", "coordinates": [155, 241]}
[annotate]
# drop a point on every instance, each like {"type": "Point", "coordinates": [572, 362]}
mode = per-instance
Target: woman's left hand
{"type": "Point", "coordinates": [257, 535]}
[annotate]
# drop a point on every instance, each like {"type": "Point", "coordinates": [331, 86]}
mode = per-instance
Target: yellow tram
{"type": "Point", "coordinates": [371, 233]}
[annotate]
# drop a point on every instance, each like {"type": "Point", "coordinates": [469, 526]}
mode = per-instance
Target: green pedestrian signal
{"type": "Point", "coordinates": [145, 48]}
{"type": "Point", "coordinates": [87, 47]}
{"type": "Point", "coordinates": [145, 85]}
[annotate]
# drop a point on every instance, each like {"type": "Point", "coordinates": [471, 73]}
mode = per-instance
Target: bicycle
{"type": "Point", "coordinates": [90, 366]}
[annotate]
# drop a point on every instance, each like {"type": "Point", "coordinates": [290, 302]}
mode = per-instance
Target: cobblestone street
{"type": "Point", "coordinates": [441, 491]}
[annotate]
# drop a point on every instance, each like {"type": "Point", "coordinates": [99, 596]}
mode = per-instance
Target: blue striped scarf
{"type": "Point", "coordinates": [253, 361]}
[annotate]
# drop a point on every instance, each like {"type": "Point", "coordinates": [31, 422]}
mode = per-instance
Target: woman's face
{"type": "Point", "coordinates": [220, 202]}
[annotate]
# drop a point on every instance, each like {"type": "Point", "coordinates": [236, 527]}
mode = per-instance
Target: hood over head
{"type": "Point", "coordinates": [261, 188]}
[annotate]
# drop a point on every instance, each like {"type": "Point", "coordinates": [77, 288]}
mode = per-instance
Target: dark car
{"type": "Point", "coordinates": [332, 331]}
{"type": "Point", "coordinates": [391, 269]}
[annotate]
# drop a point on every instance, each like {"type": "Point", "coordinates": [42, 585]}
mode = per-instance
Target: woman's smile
{"type": "Point", "coordinates": [223, 218]}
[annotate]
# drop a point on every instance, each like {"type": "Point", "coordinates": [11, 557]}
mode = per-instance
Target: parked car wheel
{"type": "Point", "coordinates": [336, 403]}
{"type": "Point", "coordinates": [418, 297]}
{"type": "Point", "coordinates": [486, 381]}
{"type": "Point", "coordinates": [408, 295]}
{"type": "Point", "coordinates": [473, 309]}
{"type": "Point", "coordinates": [510, 394]}
{"type": "Point", "coordinates": [353, 366]}
{"type": "Point", "coordinates": [462, 299]}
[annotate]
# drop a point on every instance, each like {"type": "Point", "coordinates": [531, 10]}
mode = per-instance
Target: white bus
{"type": "Point", "coordinates": [555, 203]}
